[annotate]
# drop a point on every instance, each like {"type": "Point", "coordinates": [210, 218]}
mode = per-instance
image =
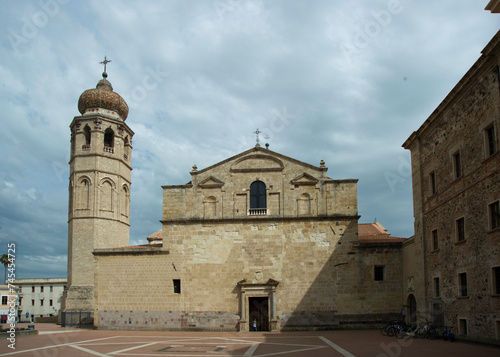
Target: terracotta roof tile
{"type": "Point", "coordinates": [375, 233]}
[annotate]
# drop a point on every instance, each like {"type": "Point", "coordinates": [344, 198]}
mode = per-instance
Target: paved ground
{"type": "Point", "coordinates": [53, 341]}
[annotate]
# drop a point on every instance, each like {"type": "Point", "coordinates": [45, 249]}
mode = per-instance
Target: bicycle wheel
{"type": "Point", "coordinates": [402, 334]}
{"type": "Point", "coordinates": [391, 330]}
{"type": "Point", "coordinates": [383, 330]}
{"type": "Point", "coordinates": [433, 333]}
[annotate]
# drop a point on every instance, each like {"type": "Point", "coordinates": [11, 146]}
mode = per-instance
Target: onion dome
{"type": "Point", "coordinates": [103, 97]}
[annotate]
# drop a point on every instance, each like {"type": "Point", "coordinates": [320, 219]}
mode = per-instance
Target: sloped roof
{"type": "Point", "coordinates": [156, 235]}
{"type": "Point", "coordinates": [375, 233]}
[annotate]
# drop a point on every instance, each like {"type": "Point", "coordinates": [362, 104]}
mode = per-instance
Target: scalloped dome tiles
{"type": "Point", "coordinates": [103, 97]}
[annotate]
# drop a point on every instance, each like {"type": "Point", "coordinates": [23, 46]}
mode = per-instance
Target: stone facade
{"type": "Point", "coordinates": [294, 262]}
{"type": "Point", "coordinates": [456, 190]}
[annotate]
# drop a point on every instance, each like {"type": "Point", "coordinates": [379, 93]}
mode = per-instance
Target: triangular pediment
{"type": "Point", "coordinates": [211, 182]}
{"type": "Point", "coordinates": [259, 159]}
{"type": "Point", "coordinates": [304, 179]}
{"type": "Point", "coordinates": [257, 163]}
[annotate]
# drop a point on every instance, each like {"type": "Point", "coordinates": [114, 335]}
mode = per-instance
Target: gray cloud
{"type": "Point", "coordinates": [344, 82]}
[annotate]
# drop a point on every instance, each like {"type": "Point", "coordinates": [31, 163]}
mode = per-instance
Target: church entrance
{"type": "Point", "coordinates": [258, 310]}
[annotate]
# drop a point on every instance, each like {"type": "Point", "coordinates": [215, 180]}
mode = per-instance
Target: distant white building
{"type": "Point", "coordinates": [40, 297]}
{"type": "Point", "coordinates": [6, 304]}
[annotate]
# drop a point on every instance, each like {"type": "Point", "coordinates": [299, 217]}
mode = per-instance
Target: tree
{"type": "Point", "coordinates": [5, 261]}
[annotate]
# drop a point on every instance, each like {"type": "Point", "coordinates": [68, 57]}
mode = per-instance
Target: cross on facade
{"type": "Point", "coordinates": [257, 132]}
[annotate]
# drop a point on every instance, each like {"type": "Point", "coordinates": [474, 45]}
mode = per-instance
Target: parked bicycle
{"type": "Point", "coordinates": [448, 335]}
{"type": "Point", "coordinates": [391, 328]}
{"type": "Point", "coordinates": [428, 331]}
{"type": "Point", "coordinates": [411, 331]}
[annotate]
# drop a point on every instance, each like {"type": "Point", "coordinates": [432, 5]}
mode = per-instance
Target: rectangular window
{"type": "Point", "coordinates": [462, 327]}
{"type": "Point", "coordinates": [435, 240]}
{"type": "Point", "coordinates": [457, 164]}
{"type": "Point", "coordinates": [41, 302]}
{"type": "Point", "coordinates": [462, 284]}
{"type": "Point", "coordinates": [460, 224]}
{"type": "Point", "coordinates": [490, 141]}
{"type": "Point", "coordinates": [32, 289]}
{"type": "Point", "coordinates": [32, 302]}
{"type": "Point", "coordinates": [496, 280]}
{"type": "Point", "coordinates": [41, 289]}
{"type": "Point", "coordinates": [20, 300]}
{"type": "Point", "coordinates": [436, 287]}
{"type": "Point", "coordinates": [494, 215]}
{"type": "Point", "coordinates": [432, 182]}
{"type": "Point", "coordinates": [51, 302]}
{"type": "Point", "coordinates": [177, 286]}
{"type": "Point", "coordinates": [379, 273]}
{"type": "Point", "coordinates": [51, 289]}
{"type": "Point", "coordinates": [5, 299]}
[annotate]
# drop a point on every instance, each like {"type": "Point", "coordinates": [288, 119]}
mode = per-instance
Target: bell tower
{"type": "Point", "coordinates": [99, 187]}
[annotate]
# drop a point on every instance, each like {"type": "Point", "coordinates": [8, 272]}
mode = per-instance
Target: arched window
{"type": "Point", "coordinates": [109, 137]}
{"type": "Point", "coordinates": [86, 133]}
{"type": "Point", "coordinates": [124, 201]}
{"type": "Point", "coordinates": [106, 196]}
{"type": "Point", "coordinates": [83, 194]}
{"type": "Point", "coordinates": [258, 199]}
{"type": "Point", "coordinates": [126, 145]}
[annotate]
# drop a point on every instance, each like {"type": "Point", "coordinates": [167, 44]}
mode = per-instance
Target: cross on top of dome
{"type": "Point", "coordinates": [105, 62]}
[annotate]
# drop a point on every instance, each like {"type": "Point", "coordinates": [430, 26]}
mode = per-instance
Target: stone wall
{"type": "Point", "coordinates": [442, 198]}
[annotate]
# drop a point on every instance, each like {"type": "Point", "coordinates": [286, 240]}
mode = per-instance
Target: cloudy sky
{"type": "Point", "coordinates": [341, 81]}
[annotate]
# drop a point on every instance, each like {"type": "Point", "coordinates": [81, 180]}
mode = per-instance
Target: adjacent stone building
{"type": "Point", "coordinates": [456, 192]}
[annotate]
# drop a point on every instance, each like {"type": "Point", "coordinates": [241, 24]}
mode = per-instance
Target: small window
{"type": "Point", "coordinates": [436, 287]}
{"type": "Point", "coordinates": [489, 134]}
{"type": "Point", "coordinates": [462, 284]}
{"type": "Point", "coordinates": [32, 302]}
{"type": "Point", "coordinates": [5, 299]}
{"type": "Point", "coordinates": [32, 289]}
{"type": "Point", "coordinates": [109, 136]}
{"type": "Point", "coordinates": [435, 240]}
{"type": "Point", "coordinates": [177, 286]}
{"type": "Point", "coordinates": [51, 302]}
{"type": "Point", "coordinates": [379, 273]}
{"type": "Point", "coordinates": [494, 215]}
{"type": "Point", "coordinates": [496, 280]}
{"type": "Point", "coordinates": [457, 164]}
{"type": "Point", "coordinates": [432, 183]}
{"type": "Point", "coordinates": [462, 327]}
{"type": "Point", "coordinates": [41, 289]}
{"type": "Point", "coordinates": [41, 302]}
{"type": "Point", "coordinates": [20, 300]}
{"type": "Point", "coordinates": [460, 226]}
{"type": "Point", "coordinates": [51, 288]}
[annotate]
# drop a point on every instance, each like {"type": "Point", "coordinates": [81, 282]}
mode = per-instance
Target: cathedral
{"type": "Point", "coordinates": [263, 241]}
{"type": "Point", "coordinates": [259, 240]}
